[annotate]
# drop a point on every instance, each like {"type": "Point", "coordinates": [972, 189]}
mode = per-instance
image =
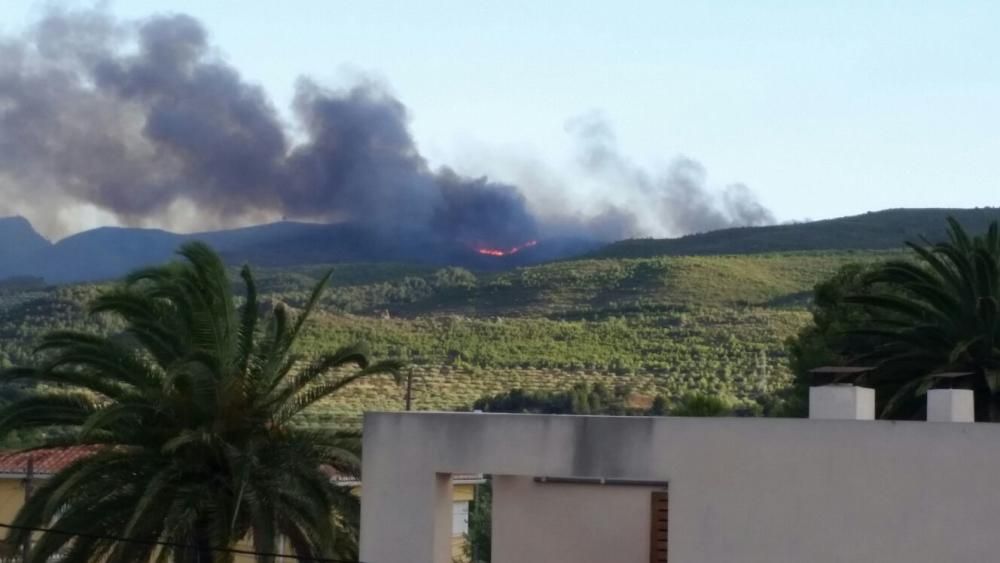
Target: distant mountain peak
{"type": "Point", "coordinates": [18, 221]}
{"type": "Point", "coordinates": [18, 241]}
{"type": "Point", "coordinates": [19, 225]}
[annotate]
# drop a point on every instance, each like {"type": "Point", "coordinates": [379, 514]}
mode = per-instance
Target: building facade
{"type": "Point", "coordinates": [581, 489]}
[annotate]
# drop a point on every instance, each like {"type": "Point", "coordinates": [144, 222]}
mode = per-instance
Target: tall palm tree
{"type": "Point", "coordinates": [192, 412]}
{"type": "Point", "coordinates": [937, 320]}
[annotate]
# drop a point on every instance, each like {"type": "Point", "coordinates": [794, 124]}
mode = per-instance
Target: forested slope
{"type": "Point", "coordinates": [663, 325]}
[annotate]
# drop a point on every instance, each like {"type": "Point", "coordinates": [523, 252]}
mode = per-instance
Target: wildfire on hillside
{"type": "Point", "coordinates": [490, 251]}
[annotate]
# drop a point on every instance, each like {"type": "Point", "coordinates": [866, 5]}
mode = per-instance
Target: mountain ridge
{"type": "Point", "coordinates": [110, 252]}
{"type": "Point", "coordinates": [875, 230]}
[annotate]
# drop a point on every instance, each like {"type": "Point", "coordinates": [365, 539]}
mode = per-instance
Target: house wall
{"type": "Point", "coordinates": [11, 499]}
{"type": "Point", "coordinates": [569, 522]}
{"type": "Point", "coordinates": [462, 495]}
{"type": "Point", "coordinates": [747, 490]}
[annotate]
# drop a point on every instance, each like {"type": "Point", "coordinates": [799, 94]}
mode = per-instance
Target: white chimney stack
{"type": "Point", "coordinates": [951, 405]}
{"type": "Point", "coordinates": [832, 398]}
{"type": "Point", "coordinates": [841, 401]}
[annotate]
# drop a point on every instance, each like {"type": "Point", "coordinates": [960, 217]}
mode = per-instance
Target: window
{"type": "Point", "coordinates": [459, 518]}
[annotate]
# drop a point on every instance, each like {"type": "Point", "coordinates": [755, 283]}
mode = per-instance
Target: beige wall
{"type": "Point", "coordinates": [569, 522]}
{"type": "Point", "coordinates": [741, 490]}
{"type": "Point", "coordinates": [11, 500]}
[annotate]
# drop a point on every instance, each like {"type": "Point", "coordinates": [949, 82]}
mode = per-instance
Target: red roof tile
{"type": "Point", "coordinates": [46, 462]}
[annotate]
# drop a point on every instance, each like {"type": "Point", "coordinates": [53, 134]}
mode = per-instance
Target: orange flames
{"type": "Point", "coordinates": [487, 251]}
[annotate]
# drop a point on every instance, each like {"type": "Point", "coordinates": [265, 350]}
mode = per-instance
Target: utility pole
{"type": "Point", "coordinates": [29, 487]}
{"type": "Point", "coordinates": [409, 389]}
{"type": "Point", "coordinates": [468, 518]}
{"type": "Point", "coordinates": [408, 398]}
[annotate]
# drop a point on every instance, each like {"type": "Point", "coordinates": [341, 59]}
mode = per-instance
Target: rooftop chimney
{"type": "Point", "coordinates": [831, 398]}
{"type": "Point", "coordinates": [951, 405]}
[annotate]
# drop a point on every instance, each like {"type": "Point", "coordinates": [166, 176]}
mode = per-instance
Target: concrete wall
{"type": "Point", "coordinates": [741, 490]}
{"type": "Point", "coordinates": [569, 522]}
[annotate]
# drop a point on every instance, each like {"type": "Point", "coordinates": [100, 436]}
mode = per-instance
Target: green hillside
{"type": "Point", "coordinates": [588, 288]}
{"type": "Point", "coordinates": [663, 325]}
{"type": "Point", "coordinates": [875, 230]}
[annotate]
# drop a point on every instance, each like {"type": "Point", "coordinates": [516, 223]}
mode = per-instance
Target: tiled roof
{"type": "Point", "coordinates": [46, 462]}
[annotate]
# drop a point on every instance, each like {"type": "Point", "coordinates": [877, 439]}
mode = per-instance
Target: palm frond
{"type": "Point", "coordinates": [283, 386]}
{"type": "Point", "coordinates": [313, 394]}
{"type": "Point", "coordinates": [937, 313]}
{"type": "Point", "coordinates": [44, 409]}
{"type": "Point", "coordinates": [191, 407]}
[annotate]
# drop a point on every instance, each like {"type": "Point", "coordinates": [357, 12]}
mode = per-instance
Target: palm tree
{"type": "Point", "coordinates": [937, 321]}
{"type": "Point", "coordinates": [191, 410]}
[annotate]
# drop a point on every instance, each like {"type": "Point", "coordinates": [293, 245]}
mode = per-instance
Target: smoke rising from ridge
{"type": "Point", "coordinates": [674, 202]}
{"type": "Point", "coordinates": [141, 121]}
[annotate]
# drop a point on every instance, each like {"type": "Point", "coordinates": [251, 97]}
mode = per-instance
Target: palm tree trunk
{"type": "Point", "coordinates": [200, 548]}
{"type": "Point", "coordinates": [204, 549]}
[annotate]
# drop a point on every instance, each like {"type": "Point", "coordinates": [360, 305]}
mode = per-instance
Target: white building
{"type": "Point", "coordinates": [581, 489]}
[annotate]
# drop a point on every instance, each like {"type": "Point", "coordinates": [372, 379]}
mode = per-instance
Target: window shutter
{"type": "Point", "coordinates": [658, 520]}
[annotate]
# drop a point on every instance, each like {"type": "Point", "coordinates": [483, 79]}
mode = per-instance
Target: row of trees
{"type": "Point", "coordinates": [600, 399]}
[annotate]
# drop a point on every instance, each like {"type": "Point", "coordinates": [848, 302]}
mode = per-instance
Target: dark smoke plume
{"type": "Point", "coordinates": [134, 133]}
{"type": "Point", "coordinates": [143, 122]}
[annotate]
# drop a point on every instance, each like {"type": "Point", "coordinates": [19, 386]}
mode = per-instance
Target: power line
{"type": "Point", "coordinates": [177, 544]}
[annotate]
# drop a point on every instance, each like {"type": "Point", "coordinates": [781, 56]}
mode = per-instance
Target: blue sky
{"type": "Point", "coordinates": [822, 108]}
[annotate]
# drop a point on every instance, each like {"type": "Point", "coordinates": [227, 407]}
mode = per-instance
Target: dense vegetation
{"type": "Point", "coordinates": [582, 398]}
{"type": "Point", "coordinates": [937, 320]}
{"type": "Point", "coordinates": [667, 326]}
{"type": "Point", "coordinates": [932, 320]}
